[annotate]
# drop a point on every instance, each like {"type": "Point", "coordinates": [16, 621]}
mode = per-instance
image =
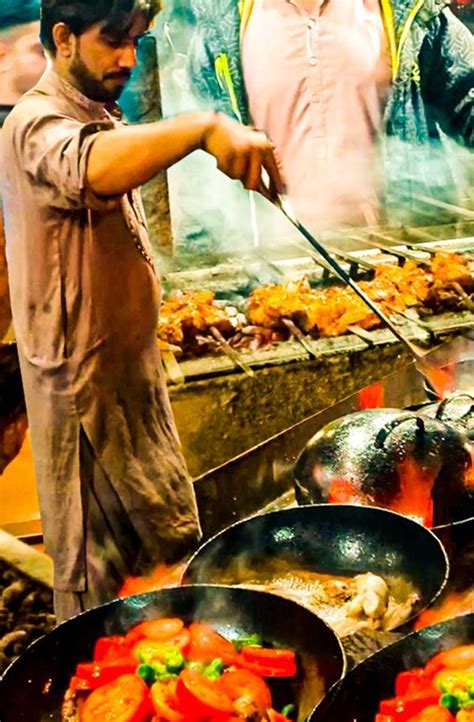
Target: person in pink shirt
{"type": "Point", "coordinates": [318, 91]}
{"type": "Point", "coordinates": [358, 96]}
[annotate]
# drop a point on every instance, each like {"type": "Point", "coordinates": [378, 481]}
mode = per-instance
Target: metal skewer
{"type": "Point", "coordinates": [459, 210]}
{"type": "Point", "coordinates": [230, 352]}
{"type": "Point", "coordinates": [417, 353]}
{"type": "Point", "coordinates": [299, 336]}
{"type": "Point", "coordinates": [387, 245]}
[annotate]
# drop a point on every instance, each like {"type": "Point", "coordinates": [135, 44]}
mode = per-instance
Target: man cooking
{"type": "Point", "coordinates": [114, 492]}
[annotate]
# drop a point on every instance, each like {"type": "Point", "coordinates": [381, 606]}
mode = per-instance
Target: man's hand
{"type": "Point", "coordinates": [243, 153]}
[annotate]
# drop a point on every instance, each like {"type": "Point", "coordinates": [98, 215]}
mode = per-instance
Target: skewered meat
{"type": "Point", "coordinates": [185, 317]}
{"type": "Point", "coordinates": [449, 267]}
{"type": "Point", "coordinates": [187, 320]}
{"type": "Point", "coordinates": [332, 311]}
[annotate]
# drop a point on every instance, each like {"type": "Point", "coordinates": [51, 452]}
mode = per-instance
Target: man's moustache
{"type": "Point", "coordinates": [118, 76]}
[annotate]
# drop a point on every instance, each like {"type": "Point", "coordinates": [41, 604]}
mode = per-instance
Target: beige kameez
{"type": "Point", "coordinates": [85, 303]}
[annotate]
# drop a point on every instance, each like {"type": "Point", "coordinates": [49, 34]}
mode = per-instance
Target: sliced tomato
{"type": "Point", "coordinates": [96, 674]}
{"type": "Point", "coordinates": [402, 708]}
{"type": "Point", "coordinates": [241, 683]}
{"type": "Point", "coordinates": [412, 680]}
{"type": "Point", "coordinates": [384, 718]}
{"type": "Point", "coordinates": [200, 697]}
{"type": "Point", "coordinates": [157, 650]}
{"type": "Point", "coordinates": [456, 658]}
{"type": "Point", "coordinates": [465, 715]}
{"type": "Point", "coordinates": [182, 641]}
{"type": "Point", "coordinates": [433, 713]}
{"type": "Point", "coordinates": [160, 630]}
{"type": "Point", "coordinates": [146, 650]}
{"type": "Point", "coordinates": [263, 670]}
{"type": "Point", "coordinates": [282, 661]}
{"type": "Point", "coordinates": [78, 685]}
{"type": "Point", "coordinates": [165, 703]}
{"type": "Point", "coordinates": [207, 644]}
{"type": "Point", "coordinates": [126, 699]}
{"type": "Point", "coordinates": [109, 648]}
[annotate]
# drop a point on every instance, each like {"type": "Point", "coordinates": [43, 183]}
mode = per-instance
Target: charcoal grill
{"type": "Point", "coordinates": [360, 252]}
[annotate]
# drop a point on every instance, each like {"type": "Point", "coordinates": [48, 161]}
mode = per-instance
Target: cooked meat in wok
{"type": "Point", "coordinates": [348, 604]}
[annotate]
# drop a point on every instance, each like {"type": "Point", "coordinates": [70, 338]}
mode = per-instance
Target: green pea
{"type": "Point", "coordinates": [147, 673]}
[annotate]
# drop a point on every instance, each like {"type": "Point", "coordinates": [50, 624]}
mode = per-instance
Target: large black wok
{"type": "Point", "coordinates": [32, 688]}
{"type": "Point", "coordinates": [404, 461]}
{"type": "Point", "coordinates": [338, 539]}
{"type": "Point", "coordinates": [357, 697]}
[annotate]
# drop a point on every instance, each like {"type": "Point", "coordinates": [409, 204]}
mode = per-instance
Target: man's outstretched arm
{"type": "Point", "coordinates": [128, 157]}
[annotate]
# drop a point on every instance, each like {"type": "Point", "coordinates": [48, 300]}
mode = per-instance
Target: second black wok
{"type": "Point", "coordinates": [334, 539]}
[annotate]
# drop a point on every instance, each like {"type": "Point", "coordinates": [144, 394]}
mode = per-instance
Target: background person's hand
{"type": "Point", "coordinates": [242, 153]}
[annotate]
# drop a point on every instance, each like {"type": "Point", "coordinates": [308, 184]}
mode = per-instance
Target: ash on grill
{"type": "Point", "coordinates": [26, 612]}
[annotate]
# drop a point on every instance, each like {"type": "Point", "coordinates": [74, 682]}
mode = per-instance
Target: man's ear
{"type": "Point", "coordinates": [64, 40]}
{"type": "Point", "coordinates": [5, 58]}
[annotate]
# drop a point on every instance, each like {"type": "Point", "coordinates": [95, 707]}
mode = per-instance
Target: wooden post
{"type": "Point", "coordinates": [141, 103]}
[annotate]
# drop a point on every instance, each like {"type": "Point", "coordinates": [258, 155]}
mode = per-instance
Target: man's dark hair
{"type": "Point", "coordinates": [80, 15]}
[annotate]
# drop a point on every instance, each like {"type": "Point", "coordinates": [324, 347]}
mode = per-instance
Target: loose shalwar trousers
{"type": "Point", "coordinates": [112, 548]}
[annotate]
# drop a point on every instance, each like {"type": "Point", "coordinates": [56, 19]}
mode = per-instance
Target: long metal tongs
{"type": "Point", "coordinates": [425, 367]}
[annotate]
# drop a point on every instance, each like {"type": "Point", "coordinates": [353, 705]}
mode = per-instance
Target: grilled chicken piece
{"type": "Point", "coordinates": [186, 316]}
{"type": "Point", "coordinates": [449, 267]}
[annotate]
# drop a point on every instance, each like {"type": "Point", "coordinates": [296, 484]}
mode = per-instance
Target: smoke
{"type": "Point", "coordinates": [213, 216]}
{"type": "Point", "coordinates": [210, 212]}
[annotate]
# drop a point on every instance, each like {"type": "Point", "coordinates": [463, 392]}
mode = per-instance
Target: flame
{"type": "Point", "coordinates": [469, 475]}
{"type": "Point", "coordinates": [342, 491]}
{"type": "Point", "coordinates": [454, 605]}
{"type": "Point", "coordinates": [160, 578]}
{"type": "Point", "coordinates": [372, 397]}
{"type": "Point", "coordinates": [442, 379]}
{"type": "Point", "coordinates": [415, 498]}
